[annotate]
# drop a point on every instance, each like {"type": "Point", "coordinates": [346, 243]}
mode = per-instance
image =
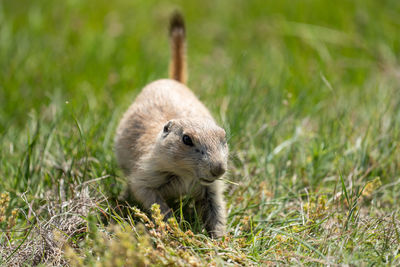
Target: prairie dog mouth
{"type": "Point", "coordinates": [204, 181]}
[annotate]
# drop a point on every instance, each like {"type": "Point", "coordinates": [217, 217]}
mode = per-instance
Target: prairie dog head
{"type": "Point", "coordinates": [193, 147]}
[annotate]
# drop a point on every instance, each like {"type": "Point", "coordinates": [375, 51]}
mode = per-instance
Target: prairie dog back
{"type": "Point", "coordinates": [169, 145]}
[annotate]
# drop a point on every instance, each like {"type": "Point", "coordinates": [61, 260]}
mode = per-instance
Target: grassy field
{"type": "Point", "coordinates": [307, 90]}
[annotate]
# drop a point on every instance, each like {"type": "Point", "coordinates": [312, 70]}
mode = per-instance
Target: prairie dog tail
{"type": "Point", "coordinates": [177, 65]}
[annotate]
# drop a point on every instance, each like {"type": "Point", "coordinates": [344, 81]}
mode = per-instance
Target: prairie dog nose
{"type": "Point", "coordinates": [218, 169]}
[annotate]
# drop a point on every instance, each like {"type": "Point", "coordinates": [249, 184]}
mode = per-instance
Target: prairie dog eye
{"type": "Point", "coordinates": [187, 140]}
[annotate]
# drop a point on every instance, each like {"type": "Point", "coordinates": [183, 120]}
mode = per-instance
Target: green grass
{"type": "Point", "coordinates": [307, 90]}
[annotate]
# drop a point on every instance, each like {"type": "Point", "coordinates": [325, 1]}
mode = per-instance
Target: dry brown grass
{"type": "Point", "coordinates": [49, 229]}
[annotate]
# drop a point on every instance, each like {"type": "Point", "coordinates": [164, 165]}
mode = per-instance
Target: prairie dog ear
{"type": "Point", "coordinates": [167, 127]}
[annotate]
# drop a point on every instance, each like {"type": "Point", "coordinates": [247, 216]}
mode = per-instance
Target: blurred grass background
{"type": "Point", "coordinates": [308, 90]}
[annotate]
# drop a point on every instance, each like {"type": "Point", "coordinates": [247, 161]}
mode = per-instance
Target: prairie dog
{"type": "Point", "coordinates": [169, 145]}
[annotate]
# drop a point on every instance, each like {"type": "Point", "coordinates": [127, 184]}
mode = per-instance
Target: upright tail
{"type": "Point", "coordinates": [177, 65]}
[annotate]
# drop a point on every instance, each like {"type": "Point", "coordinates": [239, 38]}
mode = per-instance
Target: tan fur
{"type": "Point", "coordinates": [159, 165]}
{"type": "Point", "coordinates": [177, 66]}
